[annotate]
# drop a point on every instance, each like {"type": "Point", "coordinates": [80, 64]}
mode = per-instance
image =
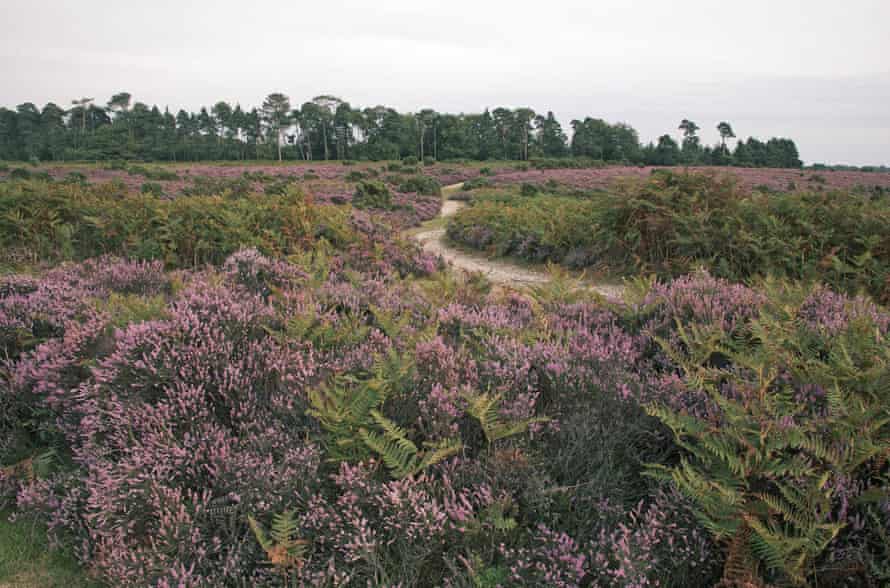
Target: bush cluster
{"type": "Point", "coordinates": [673, 223]}
{"type": "Point", "coordinates": [372, 194]}
{"type": "Point", "coordinates": [419, 184]}
{"type": "Point", "coordinates": [330, 423]}
{"type": "Point", "coordinates": [57, 222]}
{"type": "Point", "coordinates": [323, 407]}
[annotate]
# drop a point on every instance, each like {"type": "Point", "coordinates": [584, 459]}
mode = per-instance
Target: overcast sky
{"type": "Point", "coordinates": [814, 70]}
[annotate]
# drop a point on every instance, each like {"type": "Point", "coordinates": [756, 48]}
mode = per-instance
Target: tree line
{"type": "Point", "coordinates": [328, 127]}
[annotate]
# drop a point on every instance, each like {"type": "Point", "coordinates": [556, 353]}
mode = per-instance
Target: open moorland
{"type": "Point", "coordinates": [328, 180]}
{"type": "Point", "coordinates": [253, 375]}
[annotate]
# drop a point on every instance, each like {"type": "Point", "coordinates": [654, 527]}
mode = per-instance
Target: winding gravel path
{"type": "Point", "coordinates": [498, 271]}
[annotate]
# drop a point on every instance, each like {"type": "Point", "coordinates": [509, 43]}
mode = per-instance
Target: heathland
{"type": "Point", "coordinates": [251, 374]}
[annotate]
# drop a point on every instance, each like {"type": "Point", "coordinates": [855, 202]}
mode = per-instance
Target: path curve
{"type": "Point", "coordinates": [434, 241]}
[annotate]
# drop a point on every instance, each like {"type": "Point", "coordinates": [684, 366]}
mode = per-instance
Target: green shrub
{"type": "Point", "coordinates": [528, 189]}
{"type": "Point", "coordinates": [75, 177]}
{"type": "Point", "coordinates": [673, 223]}
{"type": "Point", "coordinates": [257, 176]}
{"type": "Point", "coordinates": [152, 188]}
{"type": "Point", "coordinates": [567, 163]}
{"type": "Point", "coordinates": [152, 173]}
{"type": "Point", "coordinates": [19, 173]}
{"type": "Point", "coordinates": [355, 176]}
{"type": "Point", "coordinates": [279, 187]}
{"type": "Point", "coordinates": [126, 309]}
{"type": "Point", "coordinates": [72, 222]}
{"type": "Point", "coordinates": [410, 160]}
{"type": "Point", "coordinates": [428, 161]}
{"type": "Point", "coordinates": [422, 185]}
{"type": "Point", "coordinates": [477, 183]}
{"type": "Point", "coordinates": [485, 171]}
{"type": "Point", "coordinates": [372, 194]}
{"type": "Point", "coordinates": [229, 187]}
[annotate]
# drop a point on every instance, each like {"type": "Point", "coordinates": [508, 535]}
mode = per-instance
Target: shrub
{"type": "Point", "coordinates": [71, 222]}
{"type": "Point", "coordinates": [674, 223]}
{"type": "Point", "coordinates": [279, 187]}
{"type": "Point", "coordinates": [410, 160]}
{"type": "Point", "coordinates": [156, 174]}
{"type": "Point", "coordinates": [19, 173]}
{"type": "Point", "coordinates": [75, 178]}
{"type": "Point", "coordinates": [328, 421]}
{"type": "Point", "coordinates": [429, 160]}
{"type": "Point", "coordinates": [528, 189]}
{"type": "Point", "coordinates": [477, 183]}
{"type": "Point", "coordinates": [153, 188]}
{"type": "Point", "coordinates": [227, 187]}
{"type": "Point", "coordinates": [186, 457]}
{"type": "Point", "coordinates": [372, 194]}
{"type": "Point", "coordinates": [567, 163]}
{"type": "Point", "coordinates": [421, 185]}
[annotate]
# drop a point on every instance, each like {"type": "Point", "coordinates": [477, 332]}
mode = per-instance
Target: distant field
{"type": "Point", "coordinates": [327, 180]}
{"type": "Point", "coordinates": [775, 179]}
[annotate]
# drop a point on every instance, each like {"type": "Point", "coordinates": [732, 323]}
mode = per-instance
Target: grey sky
{"type": "Point", "coordinates": [814, 70]}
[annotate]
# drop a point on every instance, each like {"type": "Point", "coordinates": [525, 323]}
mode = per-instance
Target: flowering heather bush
{"type": "Point", "coordinates": [828, 312]}
{"type": "Point", "coordinates": [32, 310]}
{"type": "Point", "coordinates": [701, 299]}
{"type": "Point", "coordinates": [338, 391]}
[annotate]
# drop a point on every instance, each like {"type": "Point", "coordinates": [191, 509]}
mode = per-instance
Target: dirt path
{"type": "Point", "coordinates": [432, 238]}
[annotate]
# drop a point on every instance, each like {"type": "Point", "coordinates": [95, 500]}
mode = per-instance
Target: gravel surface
{"type": "Point", "coordinates": [498, 271]}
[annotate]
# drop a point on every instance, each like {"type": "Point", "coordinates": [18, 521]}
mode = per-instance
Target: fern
{"type": "Point", "coordinates": [349, 410]}
{"type": "Point", "coordinates": [284, 549]}
{"type": "Point", "coordinates": [761, 472]}
{"type": "Point", "coordinates": [400, 455]}
{"type": "Point", "coordinates": [484, 408]}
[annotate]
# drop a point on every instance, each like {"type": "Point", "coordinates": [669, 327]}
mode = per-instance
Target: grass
{"type": "Point", "coordinates": [27, 562]}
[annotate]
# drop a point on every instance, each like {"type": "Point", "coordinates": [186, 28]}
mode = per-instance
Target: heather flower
{"type": "Point", "coordinates": [828, 312]}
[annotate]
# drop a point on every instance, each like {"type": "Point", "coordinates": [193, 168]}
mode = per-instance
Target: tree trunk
{"type": "Point", "coordinates": [324, 136]}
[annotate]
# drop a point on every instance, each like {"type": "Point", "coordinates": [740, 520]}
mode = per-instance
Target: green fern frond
{"type": "Point", "coordinates": [484, 408]}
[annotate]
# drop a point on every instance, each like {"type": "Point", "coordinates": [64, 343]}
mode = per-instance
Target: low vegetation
{"type": "Point", "coordinates": [674, 223]}
{"type": "Point", "coordinates": [271, 390]}
{"type": "Point", "coordinates": [55, 222]}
